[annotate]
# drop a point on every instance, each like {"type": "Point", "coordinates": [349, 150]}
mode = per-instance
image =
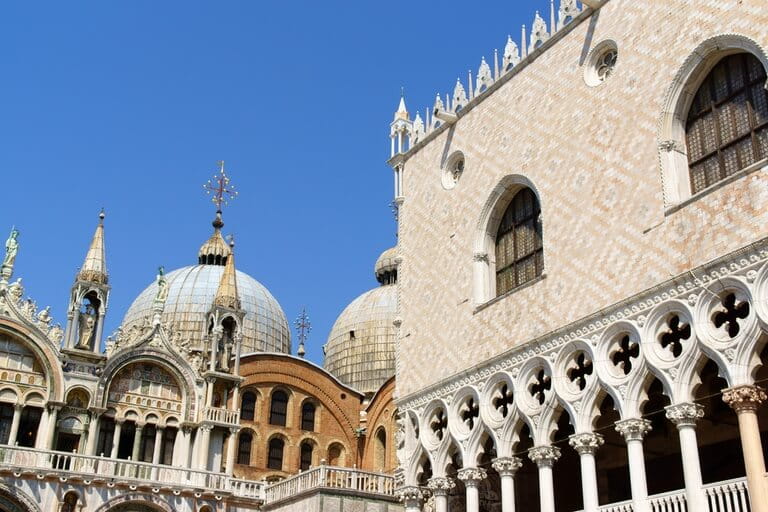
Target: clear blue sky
{"type": "Point", "coordinates": [129, 104]}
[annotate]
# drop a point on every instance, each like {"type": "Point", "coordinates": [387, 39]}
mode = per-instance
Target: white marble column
{"type": "Point", "coordinates": [745, 400]}
{"type": "Point", "coordinates": [53, 415]}
{"type": "Point", "coordinates": [586, 444]}
{"type": "Point", "coordinates": [14, 433]}
{"type": "Point", "coordinates": [158, 444]}
{"type": "Point", "coordinates": [137, 442]}
{"type": "Point", "coordinates": [205, 442]}
{"type": "Point", "coordinates": [42, 430]}
{"type": "Point", "coordinates": [685, 416]}
{"type": "Point", "coordinates": [545, 457]}
{"type": "Point", "coordinates": [634, 430]}
{"type": "Point", "coordinates": [232, 442]}
{"type": "Point", "coordinates": [507, 467]}
{"type": "Point", "coordinates": [116, 438]}
{"type": "Point", "coordinates": [93, 434]}
{"type": "Point", "coordinates": [411, 497]}
{"type": "Point", "coordinates": [471, 477]}
{"type": "Point", "coordinates": [440, 487]}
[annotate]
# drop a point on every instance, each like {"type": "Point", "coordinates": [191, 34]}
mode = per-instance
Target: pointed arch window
{"type": "Point", "coordinates": [727, 125]}
{"type": "Point", "coordinates": [275, 454]}
{"type": "Point", "coordinates": [519, 248]}
{"type": "Point", "coordinates": [248, 406]}
{"type": "Point", "coordinates": [308, 416]}
{"type": "Point", "coordinates": [278, 408]}
{"type": "Point", "coordinates": [244, 448]}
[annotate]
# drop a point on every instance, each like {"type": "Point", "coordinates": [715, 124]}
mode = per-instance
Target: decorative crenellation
{"type": "Point", "coordinates": [441, 486]}
{"type": "Point", "coordinates": [586, 442]}
{"type": "Point", "coordinates": [633, 429]}
{"type": "Point", "coordinates": [514, 56]}
{"type": "Point", "coordinates": [544, 455]}
{"type": "Point", "coordinates": [471, 477]}
{"type": "Point", "coordinates": [634, 309]}
{"type": "Point", "coordinates": [744, 398]}
{"type": "Point", "coordinates": [685, 414]}
{"type": "Point", "coordinates": [507, 466]}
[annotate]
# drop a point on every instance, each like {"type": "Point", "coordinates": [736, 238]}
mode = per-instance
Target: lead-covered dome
{"type": "Point", "coordinates": [361, 346]}
{"type": "Point", "coordinates": [191, 294]}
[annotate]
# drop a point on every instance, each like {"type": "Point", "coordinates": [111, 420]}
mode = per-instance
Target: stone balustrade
{"type": "Point", "coordinates": [221, 416]}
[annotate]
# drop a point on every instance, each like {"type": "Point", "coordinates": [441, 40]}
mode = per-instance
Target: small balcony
{"type": "Point", "coordinates": [221, 416]}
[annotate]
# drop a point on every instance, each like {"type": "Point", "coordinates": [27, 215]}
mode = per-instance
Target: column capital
{"type": "Point", "coordinates": [440, 485]}
{"type": "Point", "coordinates": [234, 430]}
{"type": "Point", "coordinates": [411, 496]}
{"type": "Point", "coordinates": [744, 398]}
{"type": "Point", "coordinates": [633, 429]}
{"type": "Point", "coordinates": [507, 466]}
{"type": "Point", "coordinates": [684, 414]}
{"type": "Point", "coordinates": [18, 407]}
{"type": "Point", "coordinates": [586, 442]}
{"type": "Point", "coordinates": [544, 455]}
{"type": "Point", "coordinates": [140, 426]}
{"type": "Point", "coordinates": [471, 476]}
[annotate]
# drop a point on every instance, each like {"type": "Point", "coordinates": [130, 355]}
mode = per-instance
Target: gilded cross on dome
{"type": "Point", "coordinates": [220, 188]}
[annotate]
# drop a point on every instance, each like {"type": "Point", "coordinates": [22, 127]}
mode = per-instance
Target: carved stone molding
{"type": "Point", "coordinates": [507, 466]}
{"type": "Point", "coordinates": [586, 443]}
{"type": "Point", "coordinates": [744, 398]}
{"type": "Point", "coordinates": [441, 486]}
{"type": "Point", "coordinates": [633, 429]}
{"type": "Point", "coordinates": [685, 414]}
{"type": "Point", "coordinates": [544, 455]}
{"type": "Point", "coordinates": [472, 476]}
{"type": "Point", "coordinates": [411, 496]}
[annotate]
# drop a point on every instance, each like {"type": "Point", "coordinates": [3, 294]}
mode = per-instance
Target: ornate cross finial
{"type": "Point", "coordinates": [304, 327]}
{"type": "Point", "coordinates": [220, 188]}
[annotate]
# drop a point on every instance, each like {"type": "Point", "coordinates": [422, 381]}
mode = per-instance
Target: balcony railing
{"type": "Point", "coordinates": [332, 477]}
{"type": "Point", "coordinates": [728, 496]}
{"type": "Point", "coordinates": [221, 415]}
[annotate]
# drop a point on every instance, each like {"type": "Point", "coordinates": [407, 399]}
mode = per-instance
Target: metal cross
{"type": "Point", "coordinates": [219, 188]}
{"type": "Point", "coordinates": [303, 326]}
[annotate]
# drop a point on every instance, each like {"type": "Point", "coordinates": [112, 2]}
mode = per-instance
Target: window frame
{"type": "Point", "coordinates": [273, 460]}
{"type": "Point", "coordinates": [275, 415]}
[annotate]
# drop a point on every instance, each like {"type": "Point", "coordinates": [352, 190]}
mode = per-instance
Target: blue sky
{"type": "Point", "coordinates": [128, 106]}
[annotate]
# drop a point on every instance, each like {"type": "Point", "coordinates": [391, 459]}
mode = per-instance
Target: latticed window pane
{"type": "Point", "coordinates": [519, 243]}
{"type": "Point", "coordinates": [244, 449]}
{"type": "Point", "coordinates": [726, 124]}
{"type": "Point", "coordinates": [278, 408]}
{"type": "Point", "coordinates": [275, 455]}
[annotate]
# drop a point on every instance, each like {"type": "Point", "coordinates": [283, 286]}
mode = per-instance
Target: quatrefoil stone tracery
{"type": "Point", "coordinates": [729, 313]}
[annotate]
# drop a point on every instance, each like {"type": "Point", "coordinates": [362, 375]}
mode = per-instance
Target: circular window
{"type": "Point", "coordinates": [453, 170]}
{"type": "Point", "coordinates": [601, 63]}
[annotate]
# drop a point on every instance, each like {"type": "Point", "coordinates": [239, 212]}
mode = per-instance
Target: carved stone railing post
{"type": "Point", "coordinates": [634, 430]}
{"type": "Point", "coordinates": [586, 444]}
{"type": "Point", "coordinates": [440, 487]}
{"type": "Point", "coordinates": [684, 416]}
{"type": "Point", "coordinates": [507, 467]}
{"type": "Point", "coordinates": [545, 457]}
{"type": "Point", "coordinates": [745, 400]}
{"type": "Point", "coordinates": [471, 477]}
{"type": "Point", "coordinates": [412, 497]}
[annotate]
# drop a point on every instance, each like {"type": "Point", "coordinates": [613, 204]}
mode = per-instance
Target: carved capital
{"type": "Point", "coordinates": [507, 466]}
{"type": "Point", "coordinates": [633, 429]}
{"type": "Point", "coordinates": [472, 476]}
{"type": "Point", "coordinates": [544, 455]}
{"type": "Point", "coordinates": [234, 430]}
{"type": "Point", "coordinates": [411, 496]}
{"type": "Point", "coordinates": [480, 256]}
{"type": "Point", "coordinates": [744, 398]}
{"type": "Point", "coordinates": [668, 145]}
{"type": "Point", "coordinates": [586, 443]}
{"type": "Point", "coordinates": [685, 414]}
{"type": "Point", "coordinates": [440, 486]}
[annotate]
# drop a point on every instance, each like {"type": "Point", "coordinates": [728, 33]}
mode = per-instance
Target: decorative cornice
{"type": "Point", "coordinates": [633, 308]}
{"type": "Point", "coordinates": [684, 414]}
{"type": "Point", "coordinates": [586, 443]}
{"type": "Point", "coordinates": [507, 466]}
{"type": "Point", "coordinates": [441, 486]}
{"type": "Point", "coordinates": [544, 455]}
{"type": "Point", "coordinates": [472, 476]}
{"type": "Point", "coordinates": [633, 429]}
{"type": "Point", "coordinates": [744, 398]}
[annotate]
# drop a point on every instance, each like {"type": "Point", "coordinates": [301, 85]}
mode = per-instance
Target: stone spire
{"type": "Point", "coordinates": [94, 269]}
{"type": "Point", "coordinates": [226, 294]}
{"type": "Point", "coordinates": [402, 112]}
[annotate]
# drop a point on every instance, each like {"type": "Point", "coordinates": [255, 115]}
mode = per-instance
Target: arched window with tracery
{"type": "Point", "coordinates": [248, 406]}
{"type": "Point", "coordinates": [278, 408]}
{"type": "Point", "coordinates": [727, 124]}
{"type": "Point", "coordinates": [244, 448]}
{"type": "Point", "coordinates": [308, 416]}
{"type": "Point", "coordinates": [519, 248]}
{"type": "Point", "coordinates": [275, 453]}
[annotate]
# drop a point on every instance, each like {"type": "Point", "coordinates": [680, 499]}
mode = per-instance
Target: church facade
{"type": "Point", "coordinates": [583, 267]}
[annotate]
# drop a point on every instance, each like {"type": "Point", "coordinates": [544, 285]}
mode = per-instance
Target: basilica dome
{"type": "Point", "coordinates": [191, 294]}
{"type": "Point", "coordinates": [361, 346]}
